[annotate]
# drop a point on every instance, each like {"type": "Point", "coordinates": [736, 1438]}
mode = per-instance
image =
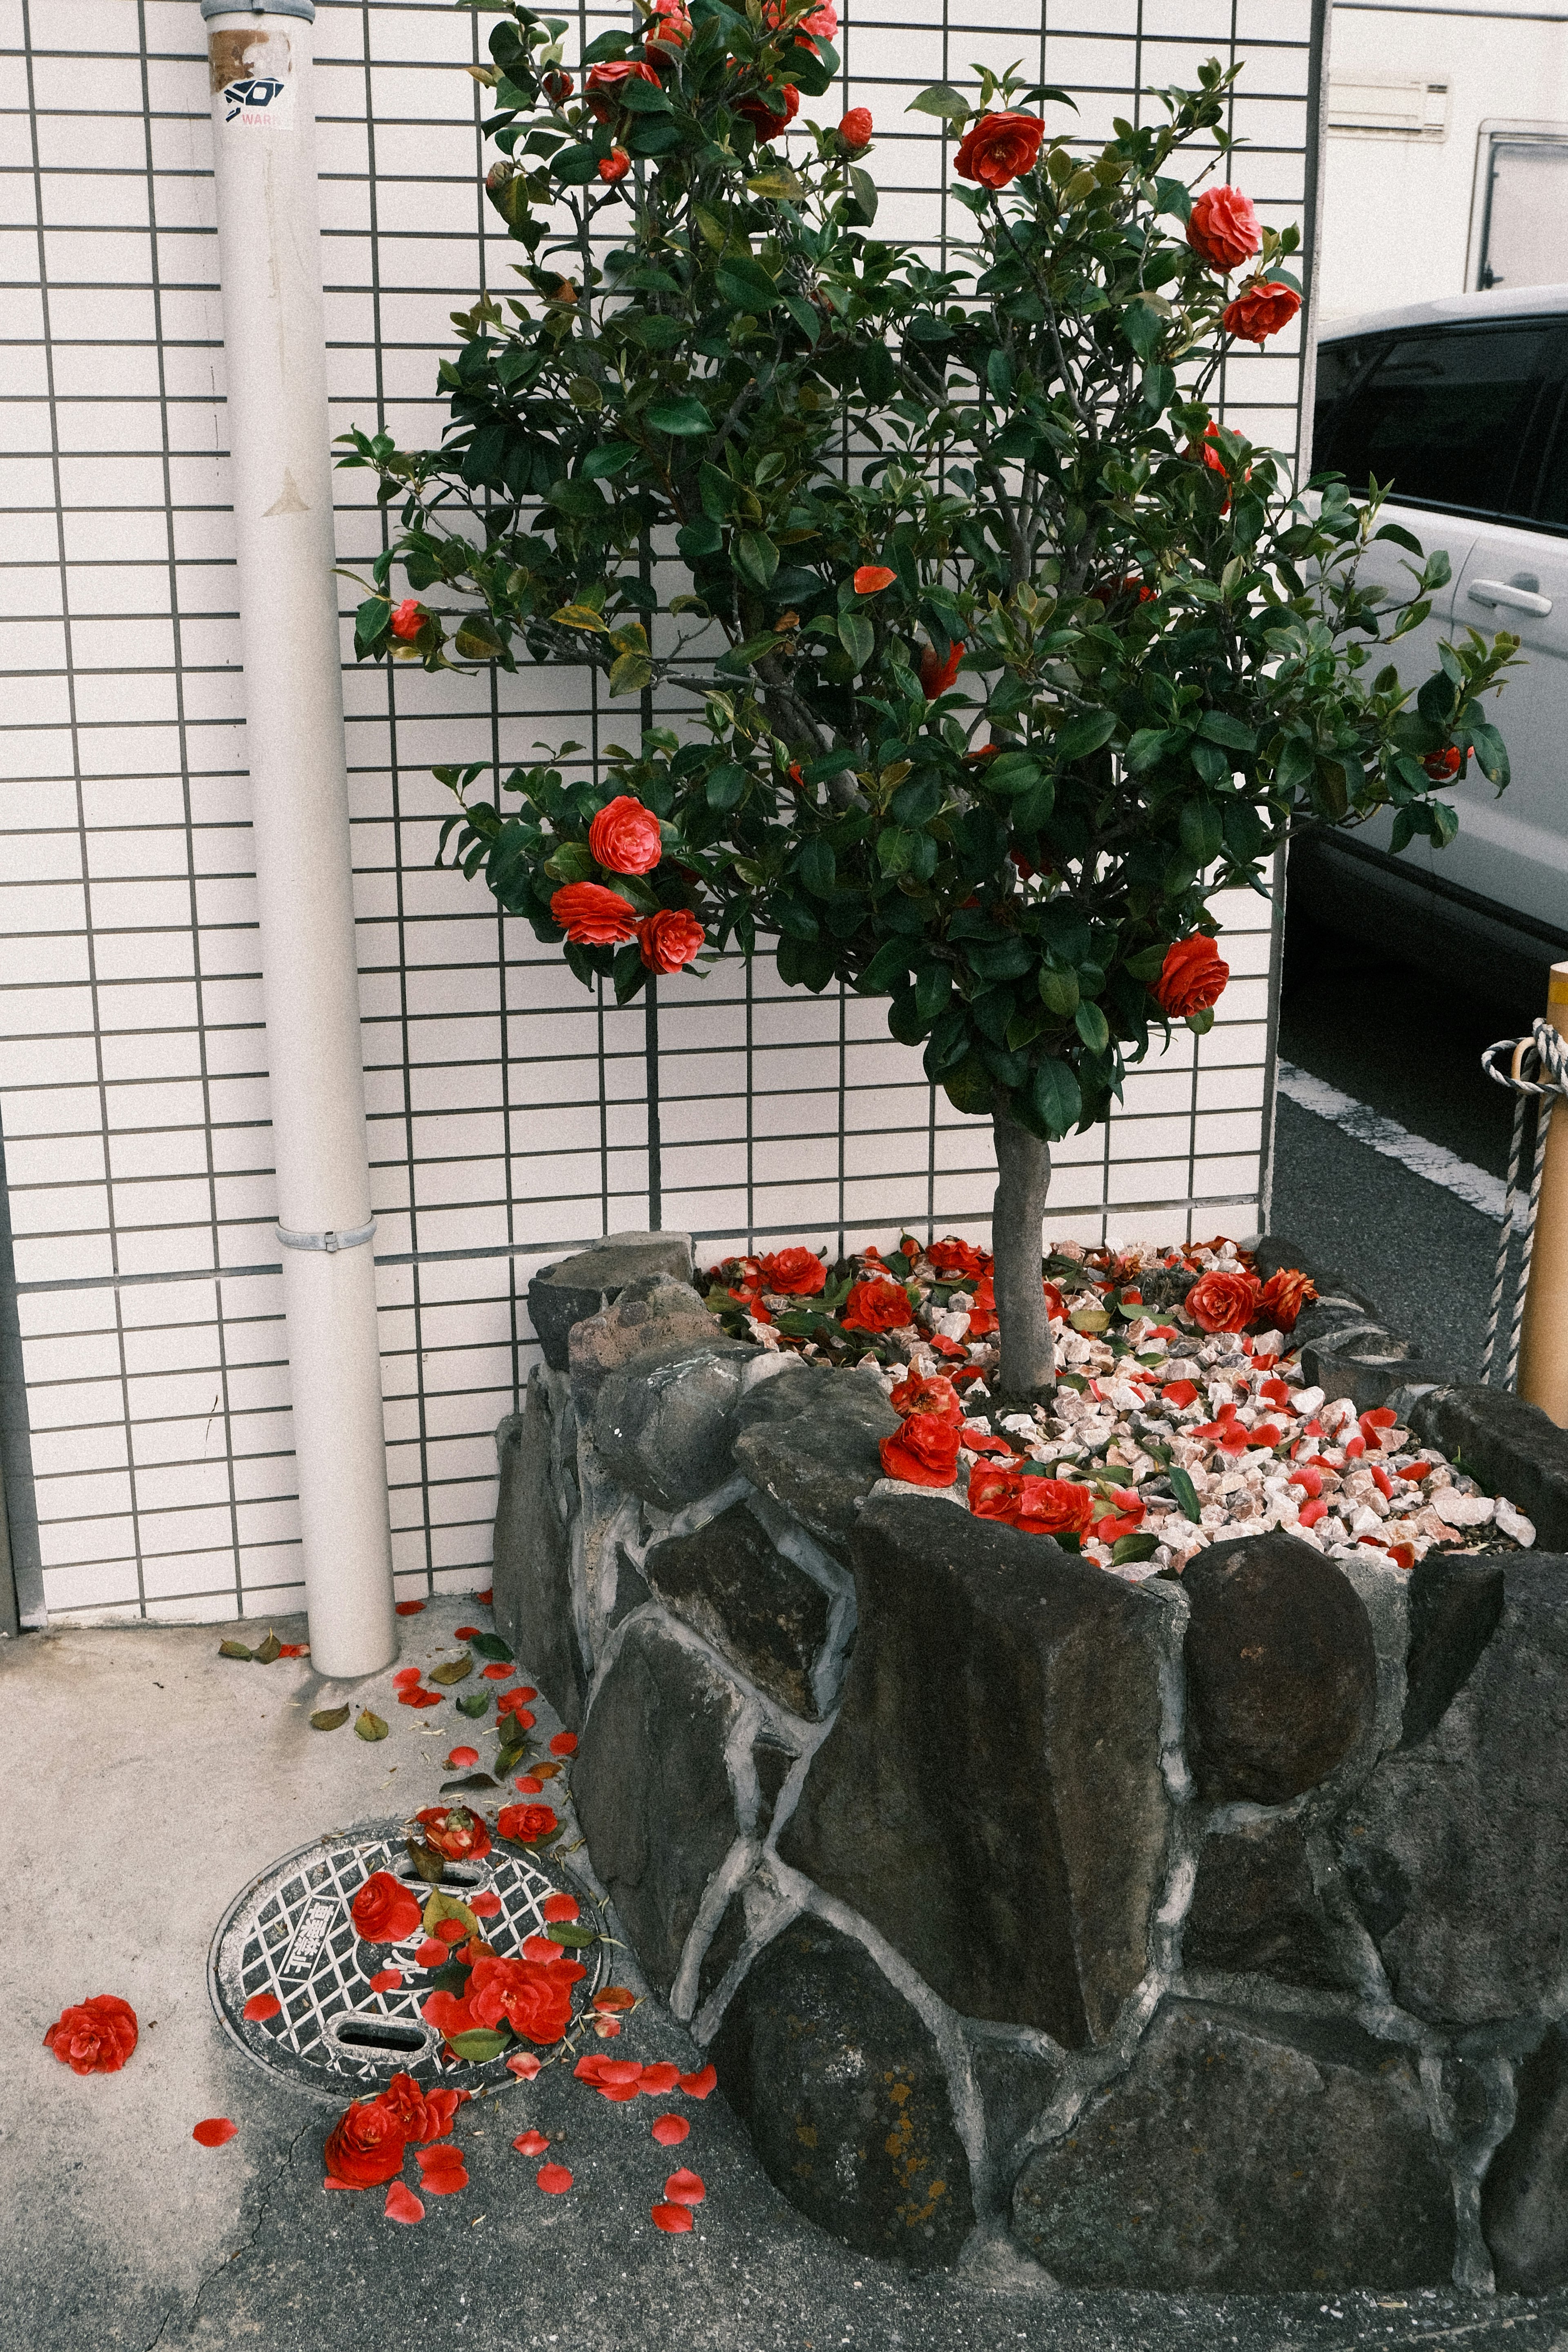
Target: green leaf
{"type": "Point", "coordinates": [740, 657]}
{"type": "Point", "coordinates": [639, 97]}
{"type": "Point", "coordinates": [726, 787]}
{"type": "Point", "coordinates": [804, 317]}
{"type": "Point", "coordinates": [1092, 1026]}
{"type": "Point", "coordinates": [933, 986]}
{"type": "Point", "coordinates": [1173, 196]}
{"type": "Point", "coordinates": [941, 99]}
{"type": "Point", "coordinates": [1085, 733]}
{"type": "Point", "coordinates": [745, 283]}
{"type": "Point", "coordinates": [1132, 1547]}
{"type": "Point", "coordinates": [469, 1780]}
{"type": "Point", "coordinates": [440, 1907]}
{"type": "Point", "coordinates": [368, 1725]}
{"type": "Point", "coordinates": [1219, 727]}
{"type": "Point", "coordinates": [686, 418]}
{"type": "Point", "coordinates": [569, 1933]}
{"type": "Point", "coordinates": [1142, 326]}
{"type": "Point", "coordinates": [455, 1670]}
{"type": "Point", "coordinates": [1201, 832]}
{"type": "Point", "coordinates": [756, 555]}
{"type": "Point", "coordinates": [782, 183]}
{"type": "Point", "coordinates": [1401, 537]}
{"type": "Point", "coordinates": [479, 2043]}
{"type": "Point", "coordinates": [629, 673]}
{"type": "Point", "coordinates": [475, 1703]}
{"type": "Point", "coordinates": [329, 1718]}
{"type": "Point", "coordinates": [1057, 1098]}
{"type": "Point", "coordinates": [1185, 1493]}
{"type": "Point", "coordinates": [1015, 771]}
{"type": "Point", "coordinates": [575, 166]}
{"type": "Point", "coordinates": [1491, 752]}
{"type": "Point", "coordinates": [864, 188]}
{"type": "Point", "coordinates": [1059, 991]}
{"type": "Point", "coordinates": [490, 1647]}
{"type": "Point", "coordinates": [579, 616]}
{"type": "Point", "coordinates": [611, 458]}
{"type": "Point", "coordinates": [816, 867]}
{"type": "Point", "coordinates": [270, 1652]}
{"type": "Point", "coordinates": [234, 1650]}
{"type": "Point", "coordinates": [856, 636]}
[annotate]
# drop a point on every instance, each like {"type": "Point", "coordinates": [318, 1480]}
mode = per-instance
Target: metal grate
{"type": "Point", "coordinates": [290, 1934]}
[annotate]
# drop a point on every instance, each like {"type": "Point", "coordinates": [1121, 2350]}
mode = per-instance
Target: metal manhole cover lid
{"type": "Point", "coordinates": [288, 1933]}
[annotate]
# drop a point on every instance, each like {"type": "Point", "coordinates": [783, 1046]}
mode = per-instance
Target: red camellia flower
{"type": "Point", "coordinates": [385, 1911]}
{"type": "Point", "coordinates": [670, 30]}
{"type": "Point", "coordinates": [557, 88]}
{"type": "Point", "coordinates": [822, 20]}
{"type": "Point", "coordinates": [423, 2114]}
{"type": "Point", "coordinates": [534, 1996]}
{"type": "Point", "coordinates": [1223, 229]}
{"type": "Point", "coordinates": [603, 87]}
{"type": "Point", "coordinates": [1042, 1507]}
{"type": "Point", "coordinates": [876, 1306]}
{"type": "Point", "coordinates": [615, 165]}
{"type": "Point", "coordinates": [936, 675]}
{"type": "Point", "coordinates": [1119, 1515]}
{"type": "Point", "coordinates": [624, 836]}
{"type": "Point", "coordinates": [999, 147]}
{"type": "Point", "coordinates": [952, 1256]}
{"type": "Point", "coordinates": [365, 2147]}
{"type": "Point", "coordinates": [872, 578]}
{"type": "Point", "coordinates": [1283, 1297]}
{"type": "Point", "coordinates": [924, 1453]}
{"type": "Point", "coordinates": [523, 1823]}
{"type": "Point", "coordinates": [983, 1314]}
{"type": "Point", "coordinates": [933, 1392]}
{"type": "Point", "coordinates": [1192, 978]}
{"type": "Point", "coordinates": [855, 128]}
{"type": "Point", "coordinates": [1441, 765]}
{"type": "Point", "coordinates": [797, 1273]}
{"type": "Point", "coordinates": [95, 2036]}
{"type": "Point", "coordinates": [593, 917]}
{"type": "Point", "coordinates": [454, 1832]}
{"type": "Point", "coordinates": [1260, 311]}
{"type": "Point", "coordinates": [1221, 1301]}
{"type": "Point", "coordinates": [408, 619]}
{"type": "Point", "coordinates": [769, 110]}
{"type": "Point", "coordinates": [671, 939]}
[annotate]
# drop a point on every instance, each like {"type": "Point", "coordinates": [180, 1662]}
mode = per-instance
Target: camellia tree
{"type": "Point", "coordinates": [997, 656]}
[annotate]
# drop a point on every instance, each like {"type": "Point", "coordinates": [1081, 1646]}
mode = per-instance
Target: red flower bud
{"type": "Point", "coordinates": [855, 130]}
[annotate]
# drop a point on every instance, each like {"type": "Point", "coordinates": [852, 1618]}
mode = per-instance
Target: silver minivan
{"type": "Point", "coordinates": [1459, 408]}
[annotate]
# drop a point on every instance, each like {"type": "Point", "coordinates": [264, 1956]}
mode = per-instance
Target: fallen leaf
{"type": "Point", "coordinates": [530, 2143]}
{"type": "Point", "coordinates": [568, 1935]}
{"type": "Point", "coordinates": [409, 1608]}
{"type": "Point", "coordinates": [670, 2130]}
{"type": "Point", "coordinates": [440, 1907]}
{"type": "Point", "coordinates": [234, 1650]}
{"type": "Point", "coordinates": [546, 1771]}
{"type": "Point", "coordinates": [402, 2205]}
{"type": "Point", "coordinates": [684, 2188]}
{"type": "Point", "coordinates": [214, 2130]}
{"type": "Point", "coordinates": [330, 1719]}
{"type": "Point", "coordinates": [483, 2042]}
{"type": "Point", "coordinates": [490, 1645]}
{"type": "Point", "coordinates": [270, 1652]}
{"type": "Point", "coordinates": [697, 2085]}
{"type": "Point", "coordinates": [455, 1670]}
{"type": "Point", "coordinates": [260, 2007]}
{"type": "Point", "coordinates": [472, 1781]}
{"type": "Point", "coordinates": [672, 2217]}
{"type": "Point", "coordinates": [474, 1704]}
{"type": "Point", "coordinates": [553, 2178]}
{"type": "Point", "coordinates": [368, 1725]}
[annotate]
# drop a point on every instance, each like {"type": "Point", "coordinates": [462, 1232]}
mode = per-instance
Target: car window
{"type": "Point", "coordinates": [1443, 416]}
{"type": "Point", "coordinates": [1339, 365]}
{"type": "Point", "coordinates": [1552, 503]}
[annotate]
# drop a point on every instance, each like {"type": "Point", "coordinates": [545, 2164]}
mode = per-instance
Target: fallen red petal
{"type": "Point", "coordinates": [409, 1608]}
{"type": "Point", "coordinates": [442, 2172]}
{"type": "Point", "coordinates": [684, 2188]}
{"type": "Point", "coordinates": [497, 1674]}
{"type": "Point", "coordinates": [261, 2006]}
{"type": "Point", "coordinates": [418, 1699]}
{"type": "Point", "coordinates": [672, 2217]}
{"type": "Point", "coordinates": [524, 2063]}
{"type": "Point", "coordinates": [461, 1758]}
{"type": "Point", "coordinates": [451, 1931]}
{"type": "Point", "coordinates": [527, 1785]}
{"type": "Point", "coordinates": [432, 1954]}
{"type": "Point", "coordinates": [540, 1948]}
{"type": "Point", "coordinates": [404, 1676]}
{"type": "Point", "coordinates": [386, 1980]}
{"type": "Point", "coordinates": [615, 1997]}
{"type": "Point", "coordinates": [486, 1597]}
{"type": "Point", "coordinates": [402, 2205]}
{"type": "Point", "coordinates": [293, 1649]}
{"type": "Point", "coordinates": [214, 2130]}
{"type": "Point", "coordinates": [561, 1906]}
{"type": "Point", "coordinates": [484, 1907]}
{"type": "Point", "coordinates": [523, 1690]}
{"type": "Point", "coordinates": [697, 2085]}
{"type": "Point", "coordinates": [657, 2080]}
{"type": "Point", "coordinates": [564, 1744]}
{"type": "Point", "coordinates": [466, 1633]}
{"type": "Point", "coordinates": [553, 2178]}
{"type": "Point", "coordinates": [530, 2143]}
{"type": "Point", "coordinates": [670, 2130]}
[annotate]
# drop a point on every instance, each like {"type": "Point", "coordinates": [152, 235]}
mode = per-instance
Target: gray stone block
{"type": "Point", "coordinates": [1510, 1446]}
{"type": "Point", "coordinates": [757, 1608]}
{"type": "Point", "coordinates": [1023, 1884]}
{"type": "Point", "coordinates": [652, 1790]}
{"type": "Point", "coordinates": [1367, 1367]}
{"type": "Point", "coordinates": [1281, 1668]}
{"type": "Point", "coordinates": [1454, 1849]}
{"type": "Point", "coordinates": [561, 1295]}
{"type": "Point", "coordinates": [843, 2090]}
{"type": "Point", "coordinates": [818, 1458]}
{"type": "Point", "coordinates": [1255, 1910]}
{"type": "Point", "coordinates": [1455, 1606]}
{"type": "Point", "coordinates": [1524, 2197]}
{"type": "Point", "coordinates": [664, 1420]}
{"type": "Point", "coordinates": [533, 1572]}
{"type": "Point", "coordinates": [654, 1311]}
{"type": "Point", "coordinates": [1246, 2154]}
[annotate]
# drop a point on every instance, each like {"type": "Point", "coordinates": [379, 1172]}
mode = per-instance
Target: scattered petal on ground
{"type": "Point", "coordinates": [486, 1597]}
{"type": "Point", "coordinates": [467, 1632]}
{"type": "Point", "coordinates": [561, 1906]}
{"type": "Point", "coordinates": [402, 2205]}
{"type": "Point", "coordinates": [405, 1677]}
{"type": "Point", "coordinates": [442, 2170]}
{"type": "Point", "coordinates": [672, 2217]}
{"type": "Point", "coordinates": [530, 2143]}
{"type": "Point", "coordinates": [657, 2080]}
{"type": "Point", "coordinates": [564, 1744]}
{"type": "Point", "coordinates": [485, 1906]}
{"type": "Point", "coordinates": [498, 1672]}
{"type": "Point", "coordinates": [670, 2130]}
{"type": "Point", "coordinates": [293, 1649]}
{"type": "Point", "coordinates": [527, 1785]}
{"type": "Point", "coordinates": [214, 2130]}
{"type": "Point", "coordinates": [553, 2178]}
{"type": "Point", "coordinates": [524, 2063]}
{"type": "Point", "coordinates": [386, 1980]}
{"type": "Point", "coordinates": [697, 2085]}
{"type": "Point", "coordinates": [684, 2188]}
{"type": "Point", "coordinates": [260, 2007]}
{"type": "Point", "coordinates": [540, 1948]}
{"type": "Point", "coordinates": [409, 1608]}
{"type": "Point", "coordinates": [432, 1955]}
{"type": "Point", "coordinates": [450, 1931]}
{"type": "Point", "coordinates": [461, 1758]}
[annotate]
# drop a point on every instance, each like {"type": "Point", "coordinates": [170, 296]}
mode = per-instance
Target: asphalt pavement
{"type": "Point", "coordinates": [1393, 1039]}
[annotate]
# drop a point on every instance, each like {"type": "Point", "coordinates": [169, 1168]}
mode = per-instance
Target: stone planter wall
{"type": "Point", "coordinates": [1197, 1934]}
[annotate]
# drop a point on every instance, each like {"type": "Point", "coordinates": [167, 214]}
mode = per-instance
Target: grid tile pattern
{"type": "Point", "coordinates": [508, 1107]}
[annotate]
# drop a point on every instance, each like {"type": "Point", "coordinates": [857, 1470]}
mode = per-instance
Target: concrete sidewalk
{"type": "Point", "coordinates": [146, 1780]}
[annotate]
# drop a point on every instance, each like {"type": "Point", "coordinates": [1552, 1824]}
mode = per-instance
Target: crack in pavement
{"type": "Point", "coordinates": [280, 2172]}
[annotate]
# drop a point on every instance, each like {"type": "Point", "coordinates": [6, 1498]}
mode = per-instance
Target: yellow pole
{"type": "Point", "coordinates": [1543, 1343]}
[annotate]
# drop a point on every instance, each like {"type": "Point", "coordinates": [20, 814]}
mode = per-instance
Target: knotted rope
{"type": "Point", "coordinates": [1545, 1050]}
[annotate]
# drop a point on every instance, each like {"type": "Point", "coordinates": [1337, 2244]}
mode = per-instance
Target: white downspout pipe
{"type": "Point", "coordinates": [264, 134]}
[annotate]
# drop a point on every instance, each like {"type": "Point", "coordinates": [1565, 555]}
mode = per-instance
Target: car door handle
{"type": "Point", "coordinates": [1499, 591]}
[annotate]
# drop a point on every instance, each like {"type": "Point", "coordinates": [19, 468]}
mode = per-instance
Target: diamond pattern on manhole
{"type": "Point", "coordinates": [290, 1934]}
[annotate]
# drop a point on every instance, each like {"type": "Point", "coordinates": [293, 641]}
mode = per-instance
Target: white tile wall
{"type": "Point", "coordinates": [508, 1109]}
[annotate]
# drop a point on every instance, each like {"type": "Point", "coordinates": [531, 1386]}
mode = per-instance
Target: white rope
{"type": "Point", "coordinates": [1547, 1050]}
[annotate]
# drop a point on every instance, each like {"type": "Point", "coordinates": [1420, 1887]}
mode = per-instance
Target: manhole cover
{"type": "Point", "coordinates": [288, 1933]}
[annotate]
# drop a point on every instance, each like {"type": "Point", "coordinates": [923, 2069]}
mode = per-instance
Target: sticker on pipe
{"type": "Point", "coordinates": [251, 75]}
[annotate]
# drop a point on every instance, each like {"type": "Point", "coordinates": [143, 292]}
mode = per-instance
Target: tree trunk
{"type": "Point", "coordinates": [1023, 1180]}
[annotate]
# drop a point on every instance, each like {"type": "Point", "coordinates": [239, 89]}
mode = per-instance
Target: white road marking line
{"type": "Point", "coordinates": [1470, 1184]}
